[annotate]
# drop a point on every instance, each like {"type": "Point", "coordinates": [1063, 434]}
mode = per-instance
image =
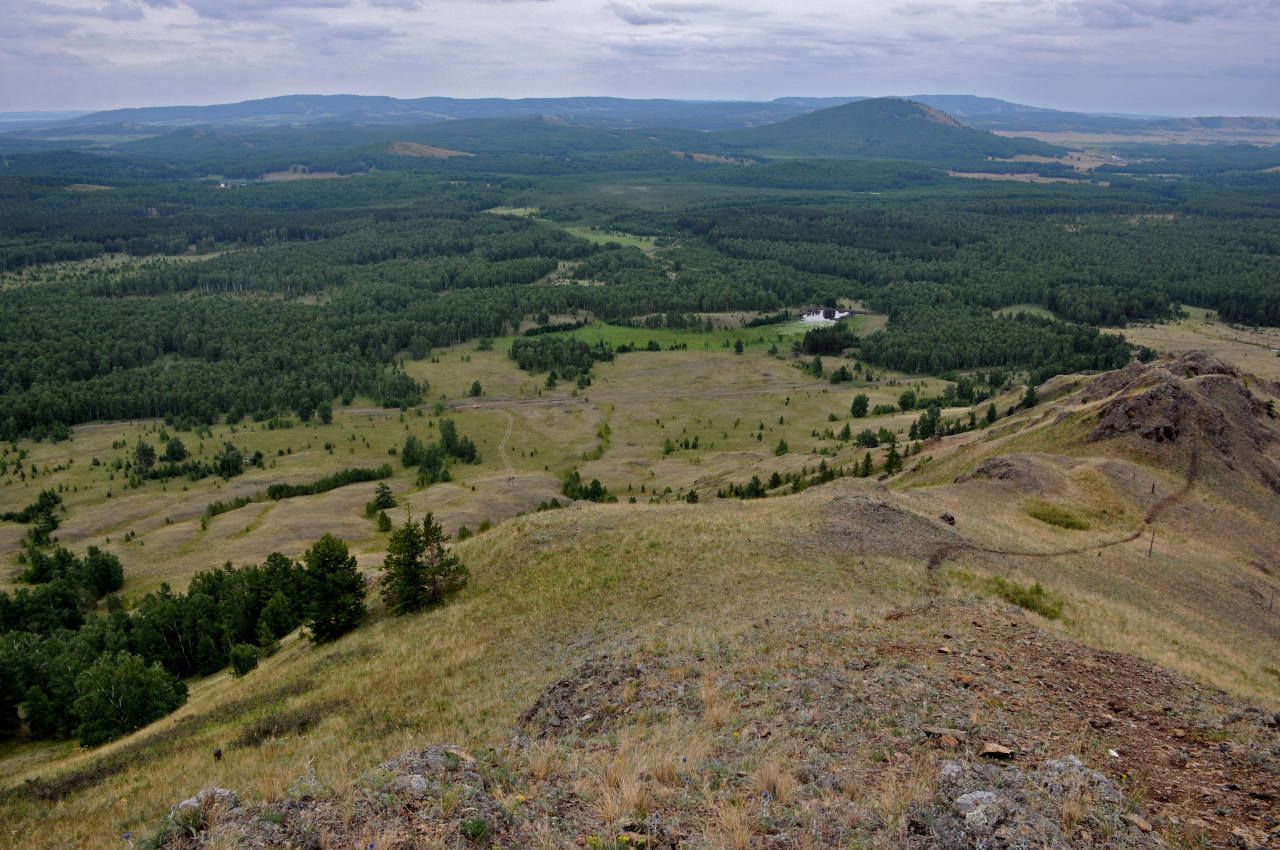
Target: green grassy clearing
{"type": "Point", "coordinates": [1054, 515]}
{"type": "Point", "coordinates": [1198, 314]}
{"type": "Point", "coordinates": [520, 211]}
{"type": "Point", "coordinates": [603, 237]}
{"type": "Point", "coordinates": [764, 337]}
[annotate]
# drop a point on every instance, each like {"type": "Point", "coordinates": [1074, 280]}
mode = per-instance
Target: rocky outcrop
{"type": "Point", "coordinates": [1059, 805]}
{"type": "Point", "coordinates": [1195, 400]}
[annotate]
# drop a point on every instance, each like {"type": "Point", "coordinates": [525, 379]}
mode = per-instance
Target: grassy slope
{"type": "Point", "coordinates": [549, 591]}
{"type": "Point", "coordinates": [545, 591]}
{"type": "Point", "coordinates": [552, 589]}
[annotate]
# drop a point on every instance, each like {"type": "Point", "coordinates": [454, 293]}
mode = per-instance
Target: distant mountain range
{"type": "Point", "coordinates": [294, 110]}
{"type": "Point", "coordinates": [868, 129]}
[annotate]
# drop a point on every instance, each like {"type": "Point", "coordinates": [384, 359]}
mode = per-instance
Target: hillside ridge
{"type": "Point", "coordinates": [643, 749]}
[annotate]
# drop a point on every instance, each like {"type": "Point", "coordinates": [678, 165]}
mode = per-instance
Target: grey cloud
{"type": "Point", "coordinates": [230, 9]}
{"type": "Point", "coordinates": [1119, 14]}
{"type": "Point", "coordinates": [18, 31]}
{"type": "Point", "coordinates": [363, 34]}
{"type": "Point", "coordinates": [641, 17]}
{"type": "Point", "coordinates": [695, 8]}
{"type": "Point", "coordinates": [915, 10]}
{"type": "Point", "coordinates": [113, 10]}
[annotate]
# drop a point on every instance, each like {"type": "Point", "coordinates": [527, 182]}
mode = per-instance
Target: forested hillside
{"type": "Point", "coordinates": [136, 285]}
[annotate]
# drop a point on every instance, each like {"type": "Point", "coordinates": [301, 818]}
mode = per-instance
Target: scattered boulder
{"type": "Point", "coordinates": [999, 808]}
{"type": "Point", "coordinates": [206, 799]}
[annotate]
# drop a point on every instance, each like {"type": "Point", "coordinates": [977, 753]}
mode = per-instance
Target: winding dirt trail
{"type": "Point", "coordinates": [502, 445]}
{"type": "Point", "coordinates": [1157, 510]}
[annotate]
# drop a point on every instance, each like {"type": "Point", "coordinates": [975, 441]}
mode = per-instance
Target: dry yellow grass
{"type": "Point", "coordinates": [549, 589]}
{"type": "Point", "coordinates": [540, 585]}
{"type": "Point", "coordinates": [645, 398]}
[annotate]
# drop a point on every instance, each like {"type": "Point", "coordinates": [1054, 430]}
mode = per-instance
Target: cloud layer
{"type": "Point", "coordinates": [1139, 56]}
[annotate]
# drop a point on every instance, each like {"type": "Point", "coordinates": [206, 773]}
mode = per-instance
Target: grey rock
{"type": "Point", "coordinates": [951, 773]}
{"type": "Point", "coordinates": [830, 782]}
{"type": "Point", "coordinates": [207, 798]}
{"type": "Point", "coordinates": [966, 803]}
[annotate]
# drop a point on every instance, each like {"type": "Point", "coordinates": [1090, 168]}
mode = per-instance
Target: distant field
{"type": "Point", "coordinates": [285, 176]}
{"type": "Point", "coordinates": [595, 235]}
{"type": "Point", "coordinates": [601, 237]}
{"type": "Point", "coordinates": [737, 406]}
{"type": "Point", "coordinates": [1190, 137]}
{"type": "Point", "coordinates": [1253, 349]}
{"type": "Point", "coordinates": [1016, 178]}
{"type": "Point", "coordinates": [521, 211]}
{"type": "Point", "coordinates": [1031, 309]}
{"type": "Point", "coordinates": [1198, 313]}
{"type": "Point", "coordinates": [764, 336]}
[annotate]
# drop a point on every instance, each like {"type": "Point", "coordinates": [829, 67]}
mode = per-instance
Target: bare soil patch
{"type": "Point", "coordinates": [423, 151]}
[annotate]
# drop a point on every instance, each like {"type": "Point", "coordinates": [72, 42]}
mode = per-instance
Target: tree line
{"type": "Point", "coordinates": [67, 670]}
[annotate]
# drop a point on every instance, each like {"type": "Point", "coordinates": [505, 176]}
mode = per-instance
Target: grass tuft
{"type": "Point", "coordinates": [1054, 515]}
{"type": "Point", "coordinates": [1034, 598]}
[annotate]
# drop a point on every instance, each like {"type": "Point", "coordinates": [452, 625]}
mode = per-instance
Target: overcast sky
{"type": "Point", "coordinates": [1171, 57]}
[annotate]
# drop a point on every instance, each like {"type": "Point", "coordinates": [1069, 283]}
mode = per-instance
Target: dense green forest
{"type": "Point", "coordinates": [136, 285]}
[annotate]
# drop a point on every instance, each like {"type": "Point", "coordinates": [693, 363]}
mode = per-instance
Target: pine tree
{"type": "Point", "coordinates": [144, 456]}
{"type": "Point", "coordinates": [335, 590]}
{"type": "Point", "coordinates": [382, 497]}
{"type": "Point", "coordinates": [175, 451]}
{"type": "Point", "coordinates": [420, 569]}
{"type": "Point", "coordinates": [893, 460]}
